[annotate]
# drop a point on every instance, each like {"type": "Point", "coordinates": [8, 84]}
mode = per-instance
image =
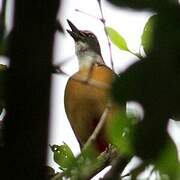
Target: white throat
{"type": "Point", "coordinates": [86, 56]}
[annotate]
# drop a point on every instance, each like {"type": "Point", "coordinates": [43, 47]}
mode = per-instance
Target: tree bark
{"type": "Point", "coordinates": [26, 126]}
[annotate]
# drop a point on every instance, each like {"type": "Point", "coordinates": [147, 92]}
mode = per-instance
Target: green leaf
{"type": "Point", "coordinates": [167, 162]}
{"type": "Point", "coordinates": [63, 156]}
{"type": "Point", "coordinates": [147, 36]}
{"type": "Point", "coordinates": [120, 132]}
{"type": "Point", "coordinates": [117, 39]}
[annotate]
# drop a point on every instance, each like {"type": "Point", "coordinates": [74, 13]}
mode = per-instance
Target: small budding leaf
{"type": "Point", "coordinates": [63, 156]}
{"type": "Point", "coordinates": [117, 39]}
{"type": "Point", "coordinates": [147, 36]}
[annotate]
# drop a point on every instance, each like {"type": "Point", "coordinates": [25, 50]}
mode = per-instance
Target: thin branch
{"type": "Point", "coordinates": [136, 54]}
{"type": "Point", "coordinates": [59, 27]}
{"type": "Point", "coordinates": [91, 15]}
{"type": "Point", "coordinates": [126, 175]}
{"type": "Point", "coordinates": [57, 176]}
{"type": "Point", "coordinates": [105, 30]}
{"type": "Point", "coordinates": [136, 171]}
{"type": "Point", "coordinates": [102, 161]}
{"type": "Point", "coordinates": [151, 173]}
{"type": "Point", "coordinates": [118, 166]}
{"type": "Point", "coordinates": [57, 68]}
{"type": "Point", "coordinates": [98, 128]}
{"type": "Point", "coordinates": [62, 62]}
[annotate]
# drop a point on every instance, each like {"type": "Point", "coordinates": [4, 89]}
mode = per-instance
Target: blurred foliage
{"type": "Point", "coordinates": [167, 162]}
{"type": "Point", "coordinates": [154, 83]}
{"type": "Point", "coordinates": [147, 36]}
{"type": "Point", "coordinates": [145, 4]}
{"type": "Point", "coordinates": [120, 132]}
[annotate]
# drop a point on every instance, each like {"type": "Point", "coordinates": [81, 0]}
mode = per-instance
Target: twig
{"type": "Point", "coordinates": [126, 175]}
{"type": "Point", "coordinates": [137, 55]}
{"type": "Point", "coordinates": [118, 166]}
{"type": "Point", "coordinates": [57, 67]}
{"type": "Point", "coordinates": [135, 172]}
{"type": "Point", "coordinates": [91, 15]}
{"type": "Point", "coordinates": [151, 173]}
{"type": "Point", "coordinates": [105, 30]}
{"type": "Point", "coordinates": [57, 176]}
{"type": "Point", "coordinates": [98, 128]}
{"type": "Point", "coordinates": [102, 161]}
{"type": "Point", "coordinates": [59, 27]}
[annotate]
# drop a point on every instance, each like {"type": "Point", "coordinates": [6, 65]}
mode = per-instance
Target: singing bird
{"type": "Point", "coordinates": [85, 102]}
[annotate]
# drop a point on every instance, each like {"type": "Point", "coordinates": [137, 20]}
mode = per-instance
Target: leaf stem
{"type": "Point", "coordinates": [136, 54]}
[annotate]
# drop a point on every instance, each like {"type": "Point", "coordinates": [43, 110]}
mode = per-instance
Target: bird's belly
{"type": "Point", "coordinates": [84, 106]}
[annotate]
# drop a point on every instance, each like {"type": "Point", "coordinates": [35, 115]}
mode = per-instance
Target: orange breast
{"type": "Point", "coordinates": [84, 104]}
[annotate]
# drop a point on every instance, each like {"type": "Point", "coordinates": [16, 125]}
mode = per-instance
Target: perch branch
{"type": "Point", "coordinates": [105, 30]}
{"type": "Point", "coordinates": [57, 176]}
{"type": "Point", "coordinates": [98, 128]}
{"type": "Point", "coordinates": [118, 166]}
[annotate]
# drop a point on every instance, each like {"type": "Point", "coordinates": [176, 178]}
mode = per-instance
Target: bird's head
{"type": "Point", "coordinates": [85, 41]}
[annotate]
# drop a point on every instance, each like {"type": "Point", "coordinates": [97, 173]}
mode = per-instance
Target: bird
{"type": "Point", "coordinates": [84, 102]}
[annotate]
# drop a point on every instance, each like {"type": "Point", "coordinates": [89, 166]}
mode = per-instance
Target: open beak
{"type": "Point", "coordinates": [74, 32]}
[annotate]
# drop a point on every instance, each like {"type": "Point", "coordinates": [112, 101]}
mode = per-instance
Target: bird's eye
{"type": "Point", "coordinates": [91, 35]}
